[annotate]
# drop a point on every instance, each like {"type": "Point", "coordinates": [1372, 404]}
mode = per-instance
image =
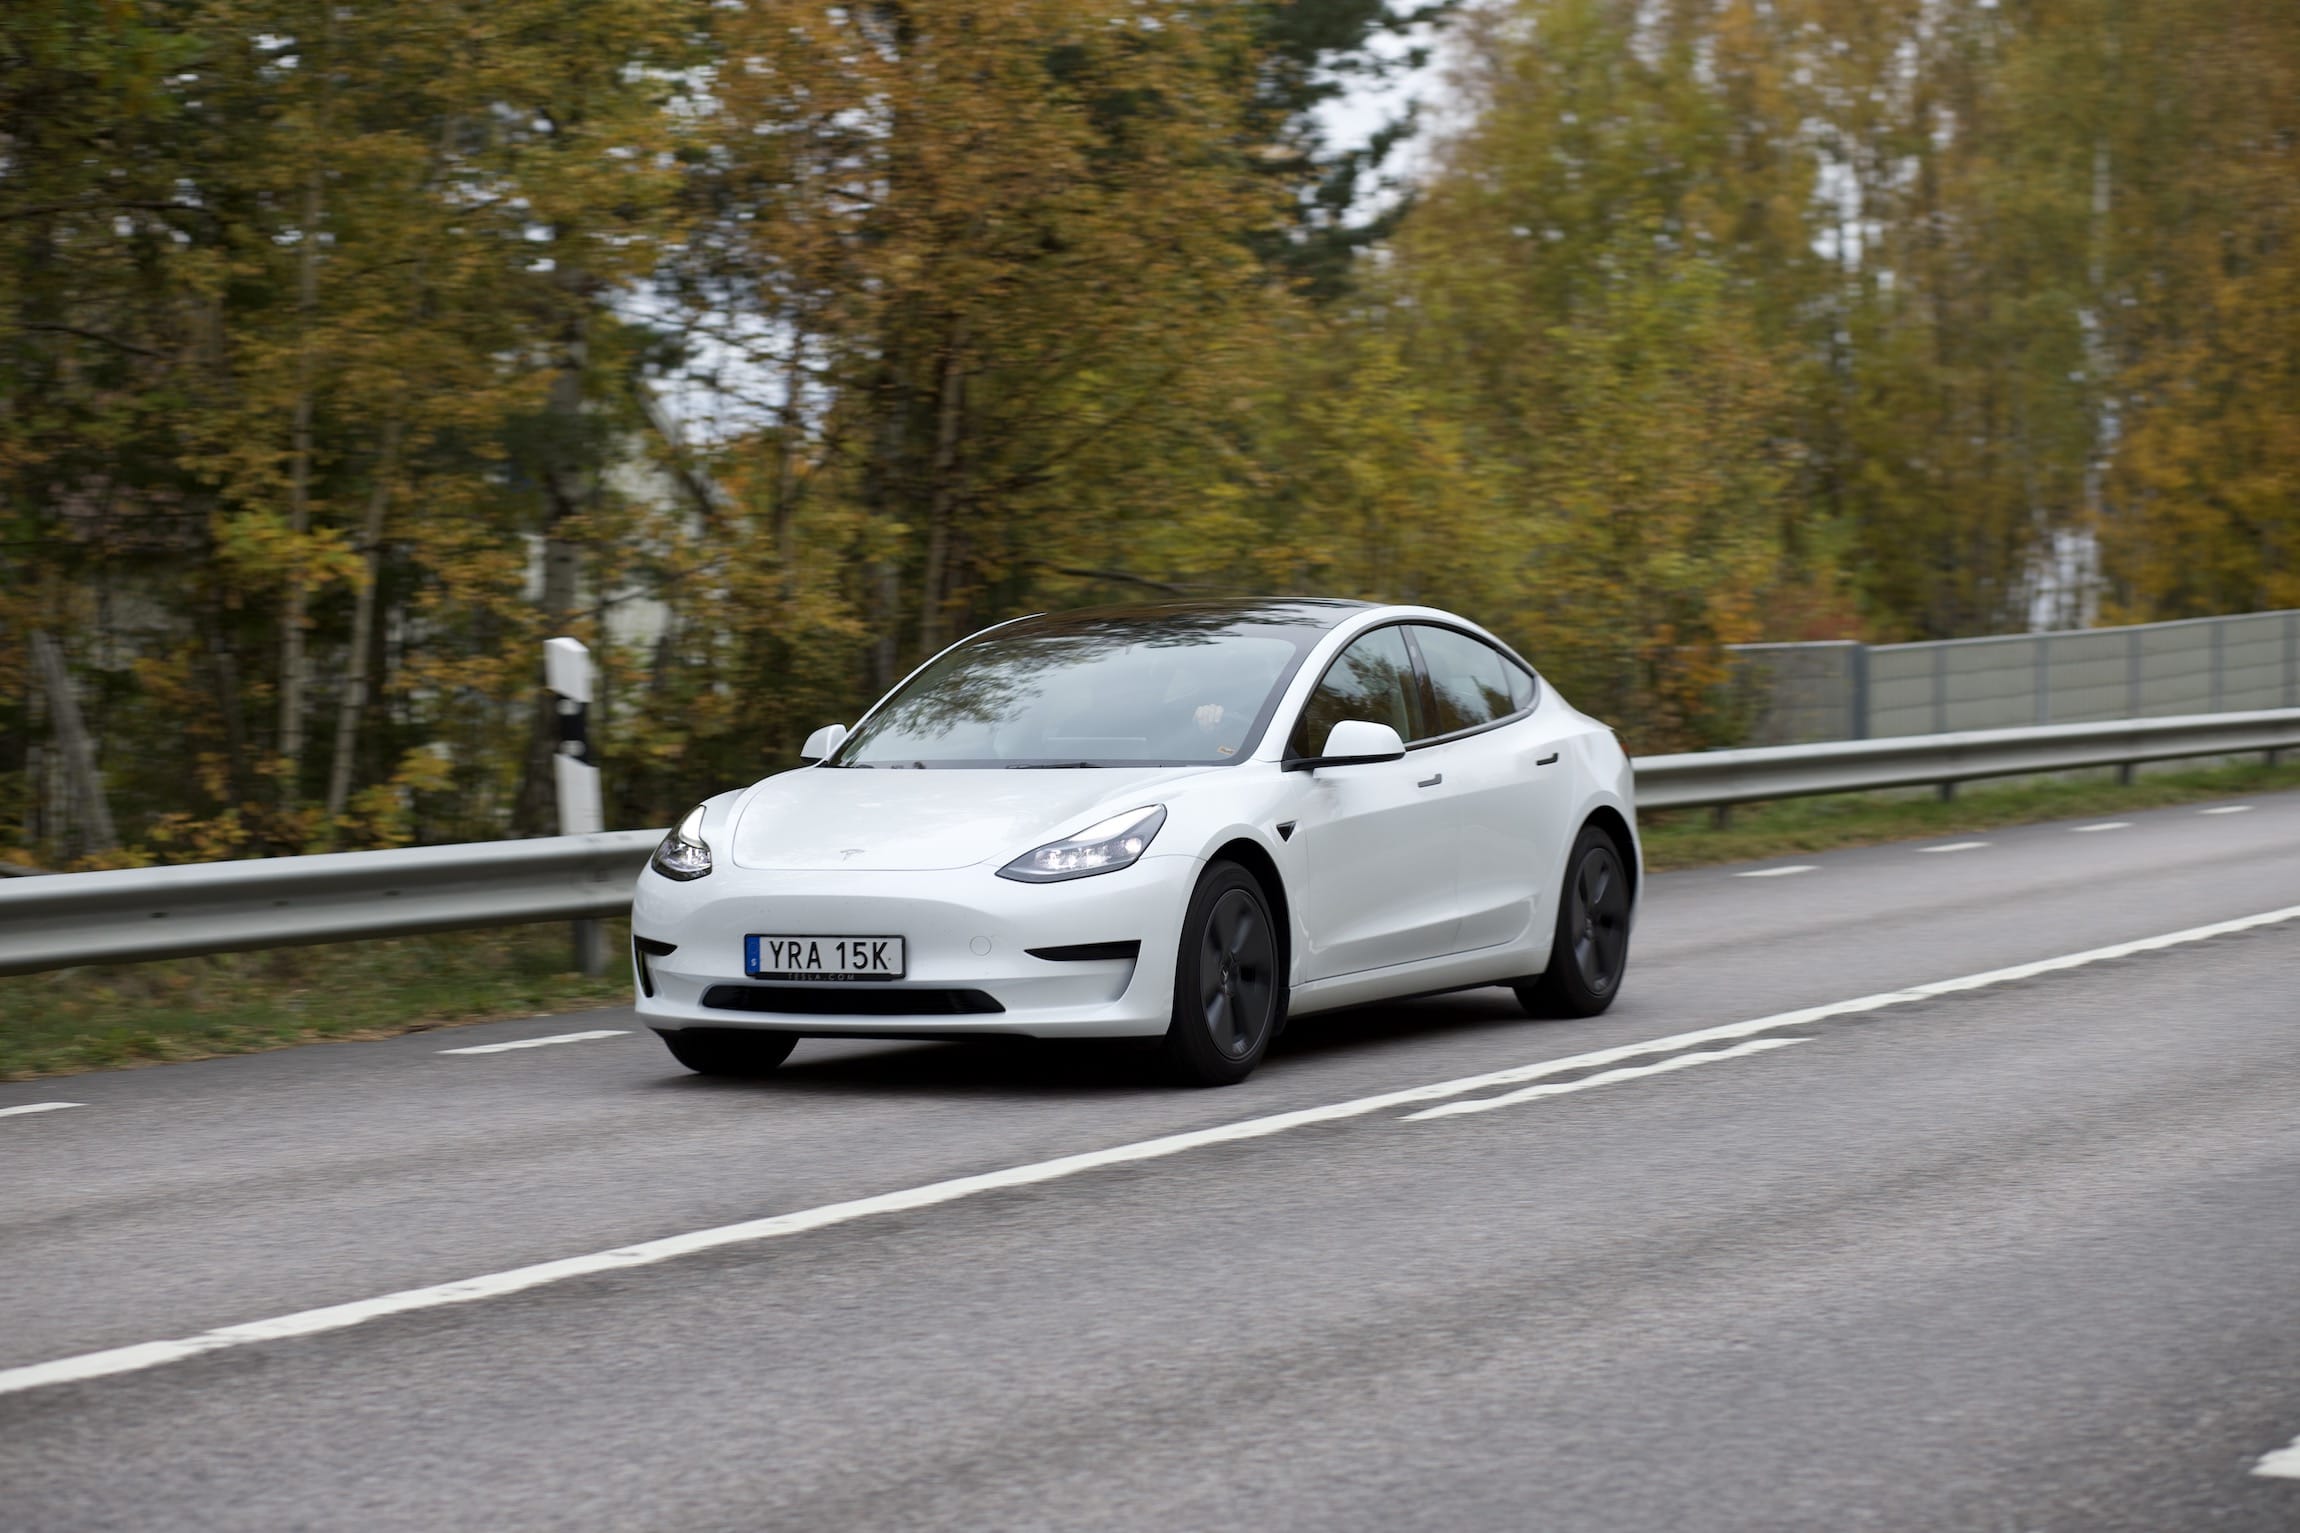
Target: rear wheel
{"type": "Point", "coordinates": [729, 1050]}
{"type": "Point", "coordinates": [1590, 952]}
{"type": "Point", "coordinates": [1229, 994]}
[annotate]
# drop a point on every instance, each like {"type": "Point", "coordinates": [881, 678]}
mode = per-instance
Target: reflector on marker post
{"type": "Point", "coordinates": [574, 769]}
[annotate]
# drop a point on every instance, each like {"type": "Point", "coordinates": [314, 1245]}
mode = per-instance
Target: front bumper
{"type": "Point", "coordinates": [965, 930]}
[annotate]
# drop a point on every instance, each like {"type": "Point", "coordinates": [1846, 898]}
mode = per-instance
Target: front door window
{"type": "Point", "coordinates": [1373, 680]}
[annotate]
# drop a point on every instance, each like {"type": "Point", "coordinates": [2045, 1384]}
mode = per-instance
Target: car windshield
{"type": "Point", "coordinates": [1164, 690]}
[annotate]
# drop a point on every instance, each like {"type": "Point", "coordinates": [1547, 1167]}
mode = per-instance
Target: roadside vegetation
{"type": "Point", "coordinates": [236, 1003]}
{"type": "Point", "coordinates": [346, 353]}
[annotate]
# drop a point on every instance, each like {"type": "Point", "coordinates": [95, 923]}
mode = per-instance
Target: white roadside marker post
{"type": "Point", "coordinates": [575, 769]}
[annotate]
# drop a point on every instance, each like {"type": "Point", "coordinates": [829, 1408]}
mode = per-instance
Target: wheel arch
{"type": "Point", "coordinates": [1256, 859]}
{"type": "Point", "coordinates": [1615, 824]}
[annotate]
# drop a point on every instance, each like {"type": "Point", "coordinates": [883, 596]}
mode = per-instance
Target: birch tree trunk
{"type": "Point", "coordinates": [294, 662]}
{"type": "Point", "coordinates": [95, 810]}
{"type": "Point", "coordinates": [294, 609]}
{"type": "Point", "coordinates": [353, 699]}
{"type": "Point", "coordinates": [942, 500]}
{"type": "Point", "coordinates": [562, 558]}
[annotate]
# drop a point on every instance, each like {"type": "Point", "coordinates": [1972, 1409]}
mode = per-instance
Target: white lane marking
{"type": "Point", "coordinates": [536, 1043]}
{"type": "Point", "coordinates": [10, 1112]}
{"type": "Point", "coordinates": [2227, 809]}
{"type": "Point", "coordinates": [1955, 846]}
{"type": "Point", "coordinates": [2081, 830]}
{"type": "Point", "coordinates": [1606, 1078]}
{"type": "Point", "coordinates": [1795, 867]}
{"type": "Point", "coordinates": [2283, 1464]}
{"type": "Point", "coordinates": [310, 1322]}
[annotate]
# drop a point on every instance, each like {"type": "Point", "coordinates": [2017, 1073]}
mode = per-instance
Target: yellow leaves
{"type": "Point", "coordinates": [257, 549]}
{"type": "Point", "coordinates": [179, 836]}
{"type": "Point", "coordinates": [992, 272]}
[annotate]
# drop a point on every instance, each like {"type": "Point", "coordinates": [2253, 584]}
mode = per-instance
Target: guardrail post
{"type": "Point", "coordinates": [1946, 790]}
{"type": "Point", "coordinates": [2219, 662]}
{"type": "Point", "coordinates": [1857, 691]}
{"type": "Point", "coordinates": [2291, 674]}
{"type": "Point", "coordinates": [2292, 659]}
{"type": "Point", "coordinates": [2131, 694]}
{"type": "Point", "coordinates": [575, 771]}
{"type": "Point", "coordinates": [2044, 678]}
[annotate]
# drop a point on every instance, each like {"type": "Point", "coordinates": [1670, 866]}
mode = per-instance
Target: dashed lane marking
{"type": "Point", "coordinates": [32, 1107]}
{"type": "Point", "coordinates": [2082, 830]}
{"type": "Point", "coordinates": [313, 1322]}
{"type": "Point", "coordinates": [2283, 1464]}
{"type": "Point", "coordinates": [536, 1043]}
{"type": "Point", "coordinates": [1795, 867]}
{"type": "Point", "coordinates": [2227, 809]}
{"type": "Point", "coordinates": [1955, 846]}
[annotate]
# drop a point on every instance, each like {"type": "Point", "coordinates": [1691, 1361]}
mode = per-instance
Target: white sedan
{"type": "Point", "coordinates": [1187, 822]}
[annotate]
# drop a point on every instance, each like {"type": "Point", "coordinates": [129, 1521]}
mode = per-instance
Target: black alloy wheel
{"type": "Point", "coordinates": [1228, 991]}
{"type": "Point", "coordinates": [1590, 952]}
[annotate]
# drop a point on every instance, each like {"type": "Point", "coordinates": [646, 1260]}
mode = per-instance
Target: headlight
{"type": "Point", "coordinates": [1103, 848]}
{"type": "Point", "coordinates": [684, 853]}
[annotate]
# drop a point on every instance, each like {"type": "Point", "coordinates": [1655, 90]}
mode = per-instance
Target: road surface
{"type": "Point", "coordinates": [1787, 1240]}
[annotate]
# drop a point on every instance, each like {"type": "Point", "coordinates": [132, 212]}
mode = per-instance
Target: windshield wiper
{"type": "Point", "coordinates": [1049, 766]}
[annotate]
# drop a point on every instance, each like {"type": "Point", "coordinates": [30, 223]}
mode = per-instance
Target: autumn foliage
{"type": "Point", "coordinates": [346, 353]}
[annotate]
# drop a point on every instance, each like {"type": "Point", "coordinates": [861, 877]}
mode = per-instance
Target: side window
{"type": "Point", "coordinates": [1373, 680]}
{"type": "Point", "coordinates": [1520, 685]}
{"type": "Point", "coordinates": [1474, 682]}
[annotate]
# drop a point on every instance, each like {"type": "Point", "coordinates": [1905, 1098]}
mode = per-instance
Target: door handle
{"type": "Point", "coordinates": [1546, 760]}
{"type": "Point", "coordinates": [1431, 782]}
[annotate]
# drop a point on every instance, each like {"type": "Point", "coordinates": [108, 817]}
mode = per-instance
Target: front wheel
{"type": "Point", "coordinates": [1590, 952]}
{"type": "Point", "coordinates": [1229, 993]}
{"type": "Point", "coordinates": [728, 1050]}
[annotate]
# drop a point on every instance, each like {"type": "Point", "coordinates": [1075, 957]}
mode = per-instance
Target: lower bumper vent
{"type": "Point", "coordinates": [849, 1001]}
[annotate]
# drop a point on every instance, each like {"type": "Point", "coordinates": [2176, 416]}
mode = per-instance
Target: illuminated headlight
{"type": "Point", "coordinates": [684, 853]}
{"type": "Point", "coordinates": [1103, 848]}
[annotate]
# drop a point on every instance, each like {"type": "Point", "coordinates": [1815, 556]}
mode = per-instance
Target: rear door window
{"type": "Point", "coordinates": [1471, 682]}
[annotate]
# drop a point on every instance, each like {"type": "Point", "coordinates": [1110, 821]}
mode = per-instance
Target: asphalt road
{"type": "Point", "coordinates": [2020, 1256]}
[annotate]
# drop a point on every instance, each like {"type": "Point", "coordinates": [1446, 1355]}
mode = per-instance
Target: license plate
{"type": "Point", "coordinates": [823, 957]}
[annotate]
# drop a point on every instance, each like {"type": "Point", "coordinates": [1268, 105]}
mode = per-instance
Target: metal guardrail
{"type": "Point", "coordinates": [1701, 779]}
{"type": "Point", "coordinates": [61, 920]}
{"type": "Point", "coordinates": [133, 914]}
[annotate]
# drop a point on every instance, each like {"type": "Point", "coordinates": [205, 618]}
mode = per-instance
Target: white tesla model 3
{"type": "Point", "coordinates": [1186, 821]}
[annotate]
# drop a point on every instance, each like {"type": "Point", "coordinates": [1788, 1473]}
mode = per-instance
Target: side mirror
{"type": "Point", "coordinates": [1353, 741]}
{"type": "Point", "coordinates": [821, 743]}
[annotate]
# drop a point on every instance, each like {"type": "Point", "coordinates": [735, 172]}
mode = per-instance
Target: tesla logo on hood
{"type": "Point", "coordinates": [852, 851]}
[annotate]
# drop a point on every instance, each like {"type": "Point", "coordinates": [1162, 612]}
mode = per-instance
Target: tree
{"type": "Point", "coordinates": [1578, 280]}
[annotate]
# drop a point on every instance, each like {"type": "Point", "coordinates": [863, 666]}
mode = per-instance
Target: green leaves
{"type": "Point", "coordinates": [347, 353]}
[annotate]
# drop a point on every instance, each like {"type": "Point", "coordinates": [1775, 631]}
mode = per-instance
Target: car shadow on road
{"type": "Point", "coordinates": [1091, 1067]}
{"type": "Point", "coordinates": [1391, 1022]}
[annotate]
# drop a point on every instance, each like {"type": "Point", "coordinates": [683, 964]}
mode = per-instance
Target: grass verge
{"type": "Point", "coordinates": [1690, 838]}
{"type": "Point", "coordinates": [102, 1018]}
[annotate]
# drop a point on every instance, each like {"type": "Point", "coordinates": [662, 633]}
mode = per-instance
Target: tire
{"type": "Point", "coordinates": [1589, 955]}
{"type": "Point", "coordinates": [729, 1051]}
{"type": "Point", "coordinates": [1229, 987]}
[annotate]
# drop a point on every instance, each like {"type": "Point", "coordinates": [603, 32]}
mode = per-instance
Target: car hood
{"type": "Point", "coordinates": [916, 821]}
